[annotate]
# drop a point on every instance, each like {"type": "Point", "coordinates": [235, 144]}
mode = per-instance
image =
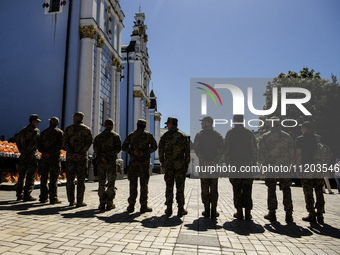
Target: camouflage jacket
{"type": "Point", "coordinates": [51, 141]}
{"type": "Point", "coordinates": [141, 140]}
{"type": "Point", "coordinates": [276, 148]}
{"type": "Point", "coordinates": [174, 150]}
{"type": "Point", "coordinates": [106, 146]}
{"type": "Point", "coordinates": [209, 145]}
{"type": "Point", "coordinates": [27, 140]}
{"type": "Point", "coordinates": [240, 146]}
{"type": "Point", "coordinates": [77, 139]}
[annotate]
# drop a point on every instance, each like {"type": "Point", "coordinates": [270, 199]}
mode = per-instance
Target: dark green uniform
{"type": "Point", "coordinates": [208, 146]}
{"type": "Point", "coordinates": [174, 155]}
{"type": "Point", "coordinates": [77, 140]}
{"type": "Point", "coordinates": [106, 146]}
{"type": "Point", "coordinates": [144, 142]}
{"type": "Point", "coordinates": [28, 161]}
{"type": "Point", "coordinates": [50, 143]}
{"type": "Point", "coordinates": [276, 148]}
{"type": "Point", "coordinates": [307, 143]}
{"type": "Point", "coordinates": [241, 150]}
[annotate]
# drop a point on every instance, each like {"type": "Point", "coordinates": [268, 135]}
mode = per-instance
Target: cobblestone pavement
{"type": "Point", "coordinates": [34, 228]}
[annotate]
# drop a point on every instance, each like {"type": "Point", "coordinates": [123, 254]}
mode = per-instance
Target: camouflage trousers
{"type": "Point", "coordinates": [106, 172]}
{"type": "Point", "coordinates": [49, 168]}
{"type": "Point", "coordinates": [286, 191]}
{"type": "Point", "coordinates": [27, 167]}
{"type": "Point", "coordinates": [242, 189]}
{"type": "Point", "coordinates": [76, 169]}
{"type": "Point", "coordinates": [171, 176]}
{"type": "Point", "coordinates": [209, 191]}
{"type": "Point", "coordinates": [308, 186]}
{"type": "Point", "coordinates": [140, 170]}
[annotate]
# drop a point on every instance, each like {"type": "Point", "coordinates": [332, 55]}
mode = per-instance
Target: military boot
{"type": "Point", "coordinates": [145, 208]}
{"type": "Point", "coordinates": [168, 210]}
{"type": "Point", "coordinates": [271, 216]}
{"type": "Point", "coordinates": [130, 208]}
{"type": "Point", "coordinates": [181, 211]}
{"type": "Point", "coordinates": [214, 213]}
{"type": "Point", "coordinates": [206, 212]}
{"type": "Point", "coordinates": [310, 217]}
{"type": "Point", "coordinates": [319, 217]}
{"type": "Point", "coordinates": [247, 214]}
{"type": "Point", "coordinates": [289, 216]}
{"type": "Point", "coordinates": [238, 214]}
{"type": "Point", "coordinates": [110, 205]}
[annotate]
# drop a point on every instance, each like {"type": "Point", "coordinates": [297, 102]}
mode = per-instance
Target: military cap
{"type": "Point", "coordinates": [207, 119]}
{"type": "Point", "coordinates": [78, 114]}
{"type": "Point", "coordinates": [307, 125]}
{"type": "Point", "coordinates": [238, 118]}
{"type": "Point", "coordinates": [172, 120]}
{"type": "Point", "coordinates": [109, 122]}
{"type": "Point", "coordinates": [54, 120]}
{"type": "Point", "coordinates": [141, 122]}
{"type": "Point", "coordinates": [34, 117]}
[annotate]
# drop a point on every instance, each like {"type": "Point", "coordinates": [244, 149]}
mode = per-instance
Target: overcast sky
{"type": "Point", "coordinates": [232, 39]}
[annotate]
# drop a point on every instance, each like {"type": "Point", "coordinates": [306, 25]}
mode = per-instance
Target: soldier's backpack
{"type": "Point", "coordinates": [322, 153]}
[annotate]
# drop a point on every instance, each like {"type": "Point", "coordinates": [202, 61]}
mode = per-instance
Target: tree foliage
{"type": "Point", "coordinates": [324, 105]}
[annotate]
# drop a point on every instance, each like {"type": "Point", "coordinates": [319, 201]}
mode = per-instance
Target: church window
{"type": "Point", "coordinates": [53, 6]}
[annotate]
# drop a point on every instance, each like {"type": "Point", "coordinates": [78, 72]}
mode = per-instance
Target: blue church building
{"type": "Point", "coordinates": [59, 57]}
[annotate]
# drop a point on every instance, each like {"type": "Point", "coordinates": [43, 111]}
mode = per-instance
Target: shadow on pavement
{"type": "Point", "coordinates": [325, 230]}
{"type": "Point", "coordinates": [46, 210]}
{"type": "Point", "coordinates": [120, 217]}
{"type": "Point", "coordinates": [162, 221]}
{"type": "Point", "coordinates": [18, 205]}
{"type": "Point", "coordinates": [243, 227]}
{"type": "Point", "coordinates": [203, 224]}
{"type": "Point", "coordinates": [291, 229]}
{"type": "Point", "coordinates": [81, 214]}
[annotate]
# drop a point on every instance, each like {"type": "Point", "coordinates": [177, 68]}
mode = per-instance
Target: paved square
{"type": "Point", "coordinates": [34, 228]}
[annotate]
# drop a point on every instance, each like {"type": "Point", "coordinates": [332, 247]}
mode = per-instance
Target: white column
{"type": "Point", "coordinates": [117, 120]}
{"type": "Point", "coordinates": [157, 133]}
{"type": "Point", "coordinates": [85, 86]}
{"type": "Point", "coordinates": [136, 111]}
{"type": "Point", "coordinates": [96, 128]}
{"type": "Point", "coordinates": [113, 95]}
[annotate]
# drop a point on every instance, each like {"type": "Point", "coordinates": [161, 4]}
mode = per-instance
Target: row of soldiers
{"type": "Point", "coordinates": [276, 148]}
{"type": "Point", "coordinates": [174, 151]}
{"type": "Point", "coordinates": [239, 149]}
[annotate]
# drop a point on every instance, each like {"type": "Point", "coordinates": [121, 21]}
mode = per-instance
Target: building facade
{"type": "Point", "coordinates": [60, 57]}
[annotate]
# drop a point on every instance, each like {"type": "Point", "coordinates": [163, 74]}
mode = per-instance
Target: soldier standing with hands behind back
{"type": "Point", "coordinates": [77, 141]}
{"type": "Point", "coordinates": [50, 143]}
{"type": "Point", "coordinates": [106, 146]}
{"type": "Point", "coordinates": [174, 155]}
{"type": "Point", "coordinates": [28, 161]}
{"type": "Point", "coordinates": [139, 145]}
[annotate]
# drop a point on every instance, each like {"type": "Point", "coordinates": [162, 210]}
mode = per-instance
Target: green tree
{"type": "Point", "coordinates": [324, 105]}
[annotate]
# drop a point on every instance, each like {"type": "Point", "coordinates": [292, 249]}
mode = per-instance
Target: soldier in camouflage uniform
{"type": "Point", "coordinates": [305, 146]}
{"type": "Point", "coordinates": [28, 161]}
{"type": "Point", "coordinates": [241, 150]}
{"type": "Point", "coordinates": [50, 143]}
{"type": "Point", "coordinates": [77, 141]}
{"type": "Point", "coordinates": [106, 146]}
{"type": "Point", "coordinates": [174, 155]}
{"type": "Point", "coordinates": [276, 148]}
{"type": "Point", "coordinates": [208, 146]}
{"type": "Point", "coordinates": [139, 145]}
